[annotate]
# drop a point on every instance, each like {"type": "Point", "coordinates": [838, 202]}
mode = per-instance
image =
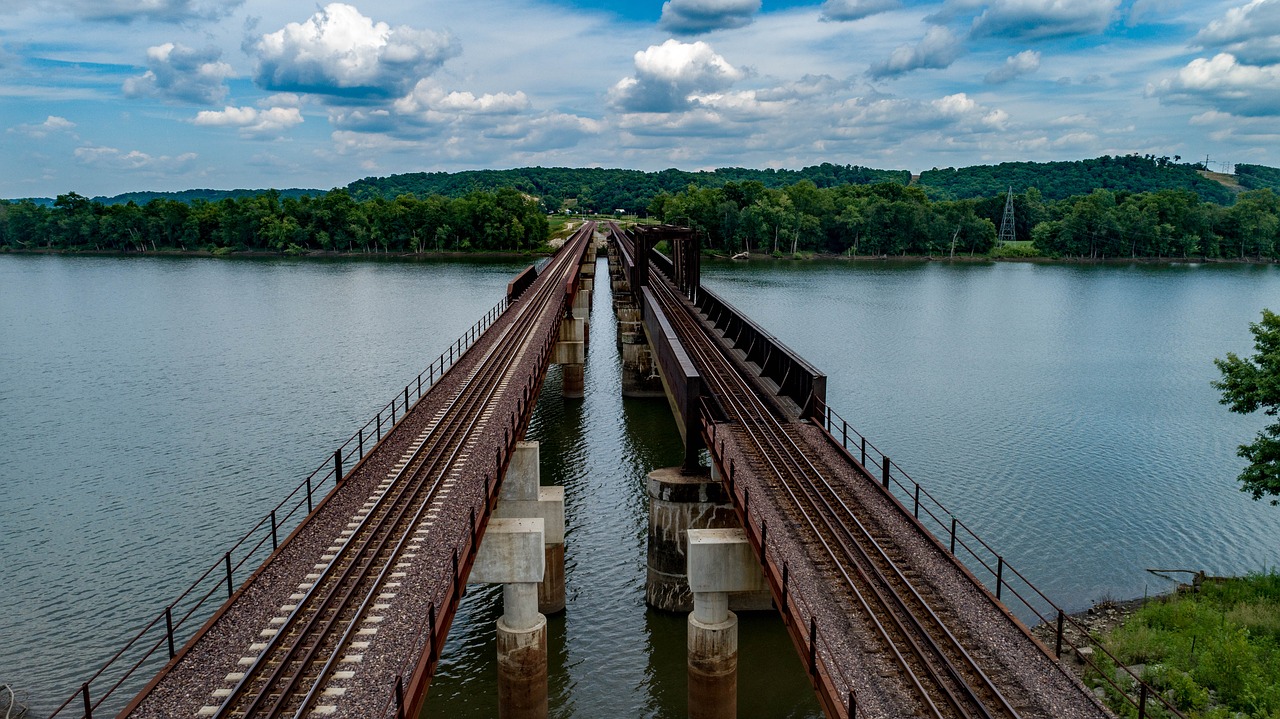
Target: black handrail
{"type": "Point", "coordinates": [911, 497]}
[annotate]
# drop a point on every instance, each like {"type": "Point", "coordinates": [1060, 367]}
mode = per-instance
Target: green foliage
{"type": "Point", "coordinates": [1252, 384]}
{"type": "Point", "coordinates": [880, 219]}
{"type": "Point", "coordinates": [189, 196]}
{"type": "Point", "coordinates": [1060, 180]}
{"type": "Point", "coordinates": [1258, 177]}
{"type": "Point", "coordinates": [505, 220]}
{"type": "Point", "coordinates": [597, 190]}
{"type": "Point", "coordinates": [1161, 224]}
{"type": "Point", "coordinates": [1015, 250]}
{"type": "Point", "coordinates": [1200, 654]}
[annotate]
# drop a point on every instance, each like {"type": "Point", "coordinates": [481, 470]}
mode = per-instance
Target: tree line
{"type": "Point", "coordinates": [1061, 180]}
{"type": "Point", "coordinates": [606, 190]}
{"type": "Point", "coordinates": [599, 190]}
{"type": "Point", "coordinates": [503, 220]}
{"type": "Point", "coordinates": [890, 219]}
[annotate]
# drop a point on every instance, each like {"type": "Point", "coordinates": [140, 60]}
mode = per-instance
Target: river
{"type": "Point", "coordinates": [154, 408]}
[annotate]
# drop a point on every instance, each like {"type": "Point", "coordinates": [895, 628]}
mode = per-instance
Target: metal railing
{"type": "Point", "coordinates": [980, 559]}
{"type": "Point", "coordinates": [183, 618]}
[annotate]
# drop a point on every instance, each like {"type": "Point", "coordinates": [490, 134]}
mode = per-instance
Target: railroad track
{"type": "Point", "coordinates": [289, 674]}
{"type": "Point", "coordinates": [946, 680]}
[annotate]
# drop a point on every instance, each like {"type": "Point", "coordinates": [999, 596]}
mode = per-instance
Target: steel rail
{"type": "Point", "coordinates": [700, 352]}
{"type": "Point", "coordinates": [513, 346]}
{"type": "Point", "coordinates": [769, 436]}
{"type": "Point", "coordinates": [460, 419]}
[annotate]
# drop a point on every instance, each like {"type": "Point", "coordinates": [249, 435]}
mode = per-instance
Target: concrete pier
{"type": "Point", "coordinates": [570, 353]}
{"type": "Point", "coordinates": [523, 496]}
{"type": "Point", "coordinates": [720, 562]}
{"type": "Point", "coordinates": [640, 376]}
{"type": "Point", "coordinates": [512, 555]}
{"type": "Point", "coordinates": [677, 504]}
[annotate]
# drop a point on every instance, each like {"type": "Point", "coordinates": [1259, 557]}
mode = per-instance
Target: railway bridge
{"type": "Point", "coordinates": [779, 506]}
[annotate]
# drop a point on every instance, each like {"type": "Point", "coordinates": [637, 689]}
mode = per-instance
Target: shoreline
{"type": "Point", "coordinates": [533, 254]}
{"type": "Point", "coordinates": [265, 254]}
{"type": "Point", "coordinates": [825, 257]}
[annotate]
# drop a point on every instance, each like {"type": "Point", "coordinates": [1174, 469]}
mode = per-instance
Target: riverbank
{"type": "Point", "coordinates": [1211, 648]}
{"type": "Point", "coordinates": [264, 254]}
{"type": "Point", "coordinates": [826, 257]}
{"type": "Point", "coordinates": [550, 248]}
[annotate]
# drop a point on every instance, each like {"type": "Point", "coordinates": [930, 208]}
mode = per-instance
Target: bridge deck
{"type": "Point", "coordinates": [391, 640]}
{"type": "Point", "coordinates": [888, 621]}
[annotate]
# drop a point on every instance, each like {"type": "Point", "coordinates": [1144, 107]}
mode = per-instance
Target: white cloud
{"type": "Point", "coordinates": [1225, 84]}
{"type": "Point", "coordinates": [52, 125]}
{"type": "Point", "coordinates": [1044, 18]}
{"type": "Point", "coordinates": [938, 49]}
{"type": "Point", "coordinates": [173, 11]}
{"type": "Point", "coordinates": [1024, 63]}
{"type": "Point", "coordinates": [552, 131]}
{"type": "Point", "coordinates": [807, 86]}
{"type": "Point", "coordinates": [667, 75]}
{"type": "Point", "coordinates": [179, 73]}
{"type": "Point", "coordinates": [692, 17]}
{"type": "Point", "coordinates": [847, 10]}
{"type": "Point", "coordinates": [1250, 32]}
{"type": "Point", "coordinates": [1225, 127]}
{"type": "Point", "coordinates": [110, 158]}
{"type": "Point", "coordinates": [251, 121]}
{"type": "Point", "coordinates": [1077, 120]}
{"type": "Point", "coordinates": [339, 53]}
{"type": "Point", "coordinates": [430, 98]}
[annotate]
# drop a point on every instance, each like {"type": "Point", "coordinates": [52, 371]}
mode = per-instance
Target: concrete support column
{"type": "Point", "coordinates": [720, 561]}
{"type": "Point", "coordinates": [640, 376]}
{"type": "Point", "coordinates": [713, 667]}
{"type": "Point", "coordinates": [522, 654]}
{"type": "Point", "coordinates": [512, 555]}
{"type": "Point", "coordinates": [582, 308]}
{"type": "Point", "coordinates": [678, 503]}
{"type": "Point", "coordinates": [523, 496]}
{"type": "Point", "coordinates": [570, 353]}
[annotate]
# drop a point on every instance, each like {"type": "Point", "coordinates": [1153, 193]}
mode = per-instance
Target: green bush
{"type": "Point", "coordinates": [1213, 654]}
{"type": "Point", "coordinates": [1014, 250]}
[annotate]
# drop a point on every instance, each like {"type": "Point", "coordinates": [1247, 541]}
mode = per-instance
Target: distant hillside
{"type": "Point", "coordinates": [605, 190]}
{"type": "Point", "coordinates": [1257, 177]}
{"type": "Point", "coordinates": [1060, 180]}
{"type": "Point", "coordinates": [189, 196]}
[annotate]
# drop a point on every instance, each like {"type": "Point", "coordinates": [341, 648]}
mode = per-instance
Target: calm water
{"type": "Point", "coordinates": [154, 408]}
{"type": "Point", "coordinates": [1064, 412]}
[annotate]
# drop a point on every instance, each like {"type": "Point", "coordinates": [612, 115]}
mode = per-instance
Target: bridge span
{"type": "Point", "coordinates": [889, 622]}
{"type": "Point", "coordinates": [347, 616]}
{"type": "Point", "coordinates": [779, 506]}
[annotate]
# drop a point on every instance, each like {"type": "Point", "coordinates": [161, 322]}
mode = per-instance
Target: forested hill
{"type": "Point", "coordinates": [189, 196]}
{"type": "Point", "coordinates": [605, 190]}
{"type": "Point", "coordinates": [1257, 177]}
{"type": "Point", "coordinates": [1060, 180]}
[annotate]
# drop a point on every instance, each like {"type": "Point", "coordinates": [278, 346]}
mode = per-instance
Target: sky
{"type": "Point", "coordinates": [102, 97]}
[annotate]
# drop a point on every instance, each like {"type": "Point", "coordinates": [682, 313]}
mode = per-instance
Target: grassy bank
{"type": "Point", "coordinates": [1213, 652]}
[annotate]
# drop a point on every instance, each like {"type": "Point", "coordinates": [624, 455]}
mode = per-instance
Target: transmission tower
{"type": "Point", "coordinates": [1006, 227]}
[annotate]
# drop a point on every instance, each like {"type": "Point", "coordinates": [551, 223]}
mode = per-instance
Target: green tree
{"type": "Point", "coordinates": [1249, 385]}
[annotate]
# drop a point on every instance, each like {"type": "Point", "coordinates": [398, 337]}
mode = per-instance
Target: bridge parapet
{"type": "Point", "coordinates": [521, 282]}
{"type": "Point", "coordinates": [679, 375]}
{"type": "Point", "coordinates": [792, 376]}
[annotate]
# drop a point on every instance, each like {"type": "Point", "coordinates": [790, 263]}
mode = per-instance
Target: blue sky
{"type": "Point", "coordinates": [108, 96]}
